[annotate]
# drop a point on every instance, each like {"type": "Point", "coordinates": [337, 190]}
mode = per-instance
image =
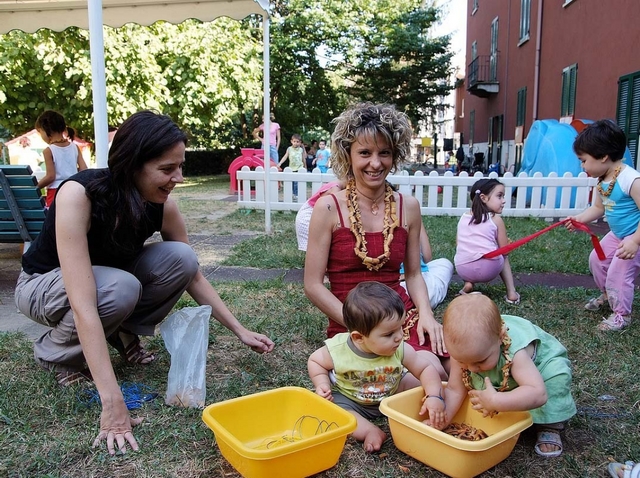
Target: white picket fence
{"type": "Point", "coordinates": [540, 196]}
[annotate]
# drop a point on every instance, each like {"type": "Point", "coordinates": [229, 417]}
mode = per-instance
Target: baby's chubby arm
{"type": "Point", "coordinates": [454, 395]}
{"type": "Point", "coordinates": [431, 383]}
{"type": "Point", "coordinates": [531, 391]}
{"type": "Point", "coordinates": [319, 365]}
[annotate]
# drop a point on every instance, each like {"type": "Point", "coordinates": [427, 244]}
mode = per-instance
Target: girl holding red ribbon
{"type": "Point", "coordinates": [481, 231]}
{"type": "Point", "coordinates": [601, 147]}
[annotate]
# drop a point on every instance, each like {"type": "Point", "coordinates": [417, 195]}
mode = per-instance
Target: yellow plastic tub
{"type": "Point", "coordinates": [452, 456]}
{"type": "Point", "coordinates": [289, 431]}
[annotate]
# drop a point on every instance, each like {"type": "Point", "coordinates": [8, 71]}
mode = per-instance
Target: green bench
{"type": "Point", "coordinates": [21, 205]}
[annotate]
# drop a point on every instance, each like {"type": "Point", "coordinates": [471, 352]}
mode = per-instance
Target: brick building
{"type": "Point", "coordinates": [554, 59]}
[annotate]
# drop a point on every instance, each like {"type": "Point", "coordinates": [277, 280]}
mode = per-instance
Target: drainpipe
{"type": "Point", "coordinates": [536, 75]}
{"type": "Point", "coordinates": [506, 88]}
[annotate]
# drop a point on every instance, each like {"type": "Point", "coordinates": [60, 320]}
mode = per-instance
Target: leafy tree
{"type": "Point", "coordinates": [44, 70]}
{"type": "Point", "coordinates": [399, 62]}
{"type": "Point", "coordinates": [205, 75]}
{"type": "Point", "coordinates": [377, 50]}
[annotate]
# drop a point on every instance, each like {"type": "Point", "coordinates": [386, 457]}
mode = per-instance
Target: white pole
{"type": "Point", "coordinates": [98, 82]}
{"type": "Point", "coordinates": [267, 125]}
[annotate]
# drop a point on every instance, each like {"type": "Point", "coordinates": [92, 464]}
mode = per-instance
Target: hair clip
{"type": "Point", "coordinates": [477, 191]}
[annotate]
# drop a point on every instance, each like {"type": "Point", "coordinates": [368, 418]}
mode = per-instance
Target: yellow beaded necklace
{"type": "Point", "coordinates": [612, 183]}
{"type": "Point", "coordinates": [390, 223]}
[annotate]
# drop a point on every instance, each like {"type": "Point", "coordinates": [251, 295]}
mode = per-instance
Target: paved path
{"type": "Point", "coordinates": [211, 250]}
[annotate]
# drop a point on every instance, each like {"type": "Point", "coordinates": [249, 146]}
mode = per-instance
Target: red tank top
{"type": "Point", "coordinates": [345, 270]}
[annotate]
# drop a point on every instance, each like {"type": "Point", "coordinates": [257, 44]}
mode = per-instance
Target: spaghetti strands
{"type": "Point", "coordinates": [463, 431]}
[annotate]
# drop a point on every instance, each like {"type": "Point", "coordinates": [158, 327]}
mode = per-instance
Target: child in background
{"type": "Point", "coordinates": [295, 154]}
{"type": "Point", "coordinates": [311, 155]}
{"type": "Point", "coordinates": [62, 158]}
{"type": "Point", "coordinates": [322, 157]}
{"type": "Point", "coordinates": [600, 147]}
{"type": "Point", "coordinates": [303, 216]}
{"type": "Point", "coordinates": [274, 136]}
{"type": "Point", "coordinates": [480, 231]}
{"type": "Point", "coordinates": [436, 273]}
{"type": "Point", "coordinates": [359, 368]}
{"type": "Point", "coordinates": [506, 363]}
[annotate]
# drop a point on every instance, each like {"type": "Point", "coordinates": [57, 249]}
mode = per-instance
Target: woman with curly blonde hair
{"type": "Point", "coordinates": [366, 231]}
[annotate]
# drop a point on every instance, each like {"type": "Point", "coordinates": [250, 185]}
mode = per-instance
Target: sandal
{"type": "Point", "coordinates": [614, 322]}
{"type": "Point", "coordinates": [70, 378]}
{"type": "Point", "coordinates": [512, 302]}
{"type": "Point", "coordinates": [596, 302]}
{"type": "Point", "coordinates": [549, 437]}
{"type": "Point", "coordinates": [627, 470]}
{"type": "Point", "coordinates": [133, 353]}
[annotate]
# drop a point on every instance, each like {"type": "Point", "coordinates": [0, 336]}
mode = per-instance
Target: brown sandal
{"type": "Point", "coordinates": [70, 378]}
{"type": "Point", "coordinates": [133, 353]}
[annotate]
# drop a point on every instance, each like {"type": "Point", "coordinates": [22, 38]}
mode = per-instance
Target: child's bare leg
{"type": "Point", "coordinates": [507, 278]}
{"type": "Point", "coordinates": [467, 288]}
{"type": "Point", "coordinates": [371, 436]}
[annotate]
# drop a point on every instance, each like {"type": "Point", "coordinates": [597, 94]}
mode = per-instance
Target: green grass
{"type": "Point", "coordinates": [556, 251]}
{"type": "Point", "coordinates": [46, 431]}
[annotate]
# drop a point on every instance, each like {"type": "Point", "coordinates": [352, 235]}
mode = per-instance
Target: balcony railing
{"type": "Point", "coordinates": [482, 78]}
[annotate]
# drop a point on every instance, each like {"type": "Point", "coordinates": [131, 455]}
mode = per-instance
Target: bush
{"type": "Point", "coordinates": [211, 162]}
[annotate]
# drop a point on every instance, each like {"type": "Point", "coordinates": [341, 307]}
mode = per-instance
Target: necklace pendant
{"type": "Point", "coordinates": [374, 209]}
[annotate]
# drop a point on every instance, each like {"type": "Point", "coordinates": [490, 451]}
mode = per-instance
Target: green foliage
{"type": "Point", "coordinates": [400, 62]}
{"type": "Point", "coordinates": [45, 70]}
{"type": "Point", "coordinates": [204, 75]}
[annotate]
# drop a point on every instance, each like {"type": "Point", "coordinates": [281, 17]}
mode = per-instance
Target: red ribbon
{"type": "Point", "coordinates": [577, 225]}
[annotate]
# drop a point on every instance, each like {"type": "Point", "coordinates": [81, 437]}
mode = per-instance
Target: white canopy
{"type": "Point", "coordinates": [31, 15]}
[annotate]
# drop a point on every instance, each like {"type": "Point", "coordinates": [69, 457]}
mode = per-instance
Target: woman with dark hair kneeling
{"type": "Point", "coordinates": [90, 276]}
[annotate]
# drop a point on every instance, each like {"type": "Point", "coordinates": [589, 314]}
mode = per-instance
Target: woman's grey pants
{"type": "Point", "coordinates": [137, 298]}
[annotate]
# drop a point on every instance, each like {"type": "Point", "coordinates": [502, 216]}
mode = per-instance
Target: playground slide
{"type": "Point", "coordinates": [549, 148]}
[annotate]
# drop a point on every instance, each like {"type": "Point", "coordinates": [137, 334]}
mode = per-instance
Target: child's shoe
{"type": "Point", "coordinates": [615, 322]}
{"type": "Point", "coordinates": [596, 303]}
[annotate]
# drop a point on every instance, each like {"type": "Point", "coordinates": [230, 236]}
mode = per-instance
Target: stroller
{"type": "Point", "coordinates": [478, 164]}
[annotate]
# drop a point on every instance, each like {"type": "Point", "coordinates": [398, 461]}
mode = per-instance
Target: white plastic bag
{"type": "Point", "coordinates": [186, 336]}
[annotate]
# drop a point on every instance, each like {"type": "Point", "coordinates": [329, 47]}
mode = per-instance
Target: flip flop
{"type": "Point", "coordinates": [549, 437]}
{"type": "Point", "coordinates": [628, 469]}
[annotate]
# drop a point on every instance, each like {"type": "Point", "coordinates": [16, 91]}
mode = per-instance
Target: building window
{"type": "Point", "coordinates": [525, 19]}
{"type": "Point", "coordinates": [474, 50]}
{"type": "Point", "coordinates": [522, 106]}
{"type": "Point", "coordinates": [567, 2]}
{"type": "Point", "coordinates": [475, 6]}
{"type": "Point", "coordinates": [628, 111]}
{"type": "Point", "coordinates": [568, 101]}
{"type": "Point", "coordinates": [472, 126]}
{"type": "Point", "coordinates": [493, 60]}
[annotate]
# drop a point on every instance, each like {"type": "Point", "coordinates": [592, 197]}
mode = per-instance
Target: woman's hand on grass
{"type": "Point", "coordinates": [257, 342]}
{"type": "Point", "coordinates": [116, 428]}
